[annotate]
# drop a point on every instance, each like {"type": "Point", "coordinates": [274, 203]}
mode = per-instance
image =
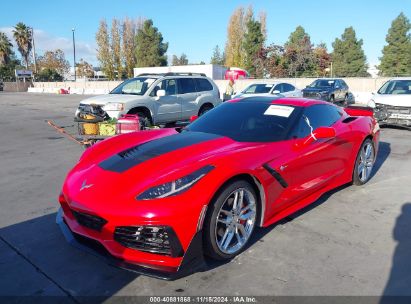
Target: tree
{"type": "Point", "coordinates": [299, 56]}
{"type": "Point", "coordinates": [271, 62]}
{"type": "Point", "coordinates": [84, 69]}
{"type": "Point", "coordinates": [252, 44]}
{"type": "Point", "coordinates": [54, 61]}
{"type": "Point", "coordinates": [7, 70]}
{"type": "Point", "coordinates": [5, 49]}
{"type": "Point", "coordinates": [129, 59]}
{"type": "Point", "coordinates": [323, 60]}
{"type": "Point", "coordinates": [263, 22]}
{"type": "Point", "coordinates": [150, 48]}
{"type": "Point", "coordinates": [218, 57]}
{"type": "Point", "coordinates": [396, 58]}
{"type": "Point", "coordinates": [182, 60]}
{"type": "Point", "coordinates": [348, 56]}
{"type": "Point", "coordinates": [235, 35]}
{"type": "Point", "coordinates": [23, 37]}
{"type": "Point", "coordinates": [49, 75]}
{"type": "Point", "coordinates": [116, 47]}
{"type": "Point", "coordinates": [103, 50]}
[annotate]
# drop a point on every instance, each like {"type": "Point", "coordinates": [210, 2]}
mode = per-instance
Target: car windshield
{"type": "Point", "coordinates": [134, 86]}
{"type": "Point", "coordinates": [257, 89]}
{"type": "Point", "coordinates": [247, 121]}
{"type": "Point", "coordinates": [396, 87]}
{"type": "Point", "coordinates": [322, 83]}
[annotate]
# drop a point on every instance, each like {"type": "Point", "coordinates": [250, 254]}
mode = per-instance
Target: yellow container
{"type": "Point", "coordinates": [90, 128]}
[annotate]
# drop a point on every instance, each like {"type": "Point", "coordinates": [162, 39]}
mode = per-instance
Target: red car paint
{"type": "Point", "coordinates": [310, 169]}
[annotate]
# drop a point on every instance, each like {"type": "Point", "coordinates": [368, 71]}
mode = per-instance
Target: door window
{"type": "Point", "coordinates": [279, 87]}
{"type": "Point", "coordinates": [318, 116]}
{"type": "Point", "coordinates": [203, 85]}
{"type": "Point", "coordinates": [187, 85]}
{"type": "Point", "coordinates": [168, 85]}
{"type": "Point", "coordinates": [288, 87]}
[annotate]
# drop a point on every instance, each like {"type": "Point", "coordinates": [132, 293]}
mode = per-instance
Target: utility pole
{"type": "Point", "coordinates": [34, 51]}
{"type": "Point", "coordinates": [74, 55]}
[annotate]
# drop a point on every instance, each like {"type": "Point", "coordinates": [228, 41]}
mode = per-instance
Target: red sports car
{"type": "Point", "coordinates": [156, 201]}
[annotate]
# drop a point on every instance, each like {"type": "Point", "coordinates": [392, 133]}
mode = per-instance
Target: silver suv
{"type": "Point", "coordinates": [159, 98]}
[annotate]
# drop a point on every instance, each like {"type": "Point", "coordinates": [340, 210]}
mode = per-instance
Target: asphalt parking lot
{"type": "Point", "coordinates": [353, 241]}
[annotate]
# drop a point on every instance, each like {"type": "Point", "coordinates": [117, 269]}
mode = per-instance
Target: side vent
{"type": "Point", "coordinates": [349, 119]}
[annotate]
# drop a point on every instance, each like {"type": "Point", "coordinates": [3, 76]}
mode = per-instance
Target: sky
{"type": "Point", "coordinates": [196, 27]}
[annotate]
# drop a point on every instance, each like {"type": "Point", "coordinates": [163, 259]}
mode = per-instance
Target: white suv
{"type": "Point", "coordinates": [159, 98]}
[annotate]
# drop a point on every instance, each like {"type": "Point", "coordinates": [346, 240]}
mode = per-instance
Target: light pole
{"type": "Point", "coordinates": [74, 55]}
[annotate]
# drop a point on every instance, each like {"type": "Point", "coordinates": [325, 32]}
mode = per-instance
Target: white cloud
{"type": "Point", "coordinates": [45, 41]}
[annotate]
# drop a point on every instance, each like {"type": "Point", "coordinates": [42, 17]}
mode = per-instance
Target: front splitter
{"type": "Point", "coordinates": [193, 259]}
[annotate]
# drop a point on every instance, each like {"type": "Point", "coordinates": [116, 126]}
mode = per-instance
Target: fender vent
{"type": "Point", "coordinates": [349, 119]}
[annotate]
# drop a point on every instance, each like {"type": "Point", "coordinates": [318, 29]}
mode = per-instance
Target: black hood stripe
{"type": "Point", "coordinates": [136, 155]}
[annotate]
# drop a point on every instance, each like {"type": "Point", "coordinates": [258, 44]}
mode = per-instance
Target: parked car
{"type": "Point", "coordinates": [158, 200]}
{"type": "Point", "coordinates": [269, 88]}
{"type": "Point", "coordinates": [329, 89]}
{"type": "Point", "coordinates": [159, 98]}
{"type": "Point", "coordinates": [392, 102]}
{"type": "Point", "coordinates": [235, 74]}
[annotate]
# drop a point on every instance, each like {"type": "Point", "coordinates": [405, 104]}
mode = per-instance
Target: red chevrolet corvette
{"type": "Point", "coordinates": [156, 201]}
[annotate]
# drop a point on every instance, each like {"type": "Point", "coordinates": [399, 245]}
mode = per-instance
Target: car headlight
{"type": "Point", "coordinates": [371, 103]}
{"type": "Point", "coordinates": [175, 187]}
{"type": "Point", "coordinates": [114, 106]}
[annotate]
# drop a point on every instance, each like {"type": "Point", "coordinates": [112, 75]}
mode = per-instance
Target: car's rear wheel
{"type": "Point", "coordinates": [345, 101]}
{"type": "Point", "coordinates": [230, 220]}
{"type": "Point", "coordinates": [204, 109]}
{"type": "Point", "coordinates": [364, 163]}
{"type": "Point", "coordinates": [332, 98]}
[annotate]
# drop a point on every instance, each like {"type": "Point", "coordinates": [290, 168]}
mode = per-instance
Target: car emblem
{"type": "Point", "coordinates": [84, 185]}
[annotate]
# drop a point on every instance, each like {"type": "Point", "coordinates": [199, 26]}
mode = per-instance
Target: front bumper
{"type": "Point", "coordinates": [393, 116]}
{"type": "Point", "coordinates": [192, 261]}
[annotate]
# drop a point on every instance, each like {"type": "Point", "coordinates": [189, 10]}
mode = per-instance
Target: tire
{"type": "Point", "coordinates": [332, 99]}
{"type": "Point", "coordinates": [345, 101]}
{"type": "Point", "coordinates": [145, 121]}
{"type": "Point", "coordinates": [204, 109]}
{"type": "Point", "coordinates": [364, 163]}
{"type": "Point", "coordinates": [223, 236]}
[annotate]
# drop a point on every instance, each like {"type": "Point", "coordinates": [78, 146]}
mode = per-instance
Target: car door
{"type": "Point", "coordinates": [289, 90]}
{"type": "Point", "coordinates": [278, 87]}
{"type": "Point", "coordinates": [338, 90]}
{"type": "Point", "coordinates": [169, 106]}
{"type": "Point", "coordinates": [309, 169]}
{"type": "Point", "coordinates": [188, 96]}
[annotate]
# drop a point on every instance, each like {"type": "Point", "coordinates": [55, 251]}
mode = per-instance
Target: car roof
{"type": "Point", "coordinates": [296, 102]}
{"type": "Point", "coordinates": [400, 78]}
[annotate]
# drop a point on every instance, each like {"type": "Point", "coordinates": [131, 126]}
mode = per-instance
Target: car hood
{"type": "Point", "coordinates": [104, 99]}
{"type": "Point", "coordinates": [393, 100]}
{"type": "Point", "coordinates": [140, 161]}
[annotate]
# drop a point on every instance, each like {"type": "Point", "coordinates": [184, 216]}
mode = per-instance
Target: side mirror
{"type": "Point", "coordinates": [276, 92]}
{"type": "Point", "coordinates": [319, 133]}
{"type": "Point", "coordinates": [192, 118]}
{"type": "Point", "coordinates": [161, 93]}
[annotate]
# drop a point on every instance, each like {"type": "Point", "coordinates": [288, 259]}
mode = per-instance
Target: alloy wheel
{"type": "Point", "coordinates": [366, 162]}
{"type": "Point", "coordinates": [235, 221]}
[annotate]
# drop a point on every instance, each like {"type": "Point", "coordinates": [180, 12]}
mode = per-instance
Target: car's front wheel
{"type": "Point", "coordinates": [364, 163]}
{"type": "Point", "coordinates": [230, 220]}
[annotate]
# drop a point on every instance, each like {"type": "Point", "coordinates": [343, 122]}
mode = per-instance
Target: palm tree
{"type": "Point", "coordinates": [22, 35]}
{"type": "Point", "coordinates": [5, 49]}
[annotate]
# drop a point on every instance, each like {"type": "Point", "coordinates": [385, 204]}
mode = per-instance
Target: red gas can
{"type": "Point", "coordinates": [128, 123]}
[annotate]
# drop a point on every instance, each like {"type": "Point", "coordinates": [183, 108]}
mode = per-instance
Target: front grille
{"type": "Point", "coordinates": [90, 221]}
{"type": "Point", "coordinates": [313, 95]}
{"type": "Point", "coordinates": [154, 239]}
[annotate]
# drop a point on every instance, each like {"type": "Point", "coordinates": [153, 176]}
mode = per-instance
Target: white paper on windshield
{"type": "Point", "coordinates": [276, 110]}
